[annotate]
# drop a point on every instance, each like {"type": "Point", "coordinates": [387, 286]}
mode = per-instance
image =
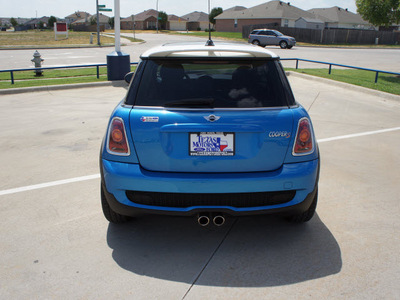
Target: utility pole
{"type": "Point", "coordinates": [158, 15]}
{"type": "Point", "coordinates": [133, 27]}
{"type": "Point", "coordinates": [118, 63]}
{"type": "Point", "coordinates": [98, 23]}
{"type": "Point", "coordinates": [117, 26]}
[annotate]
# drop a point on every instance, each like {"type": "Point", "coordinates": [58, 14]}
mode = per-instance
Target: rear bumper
{"type": "Point", "coordinates": [117, 178]}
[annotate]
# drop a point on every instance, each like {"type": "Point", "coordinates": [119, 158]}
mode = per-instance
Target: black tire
{"type": "Point", "coordinates": [109, 214]}
{"type": "Point", "coordinates": [256, 42]}
{"type": "Point", "coordinates": [308, 214]}
{"type": "Point", "coordinates": [283, 44]}
{"type": "Point", "coordinates": [289, 47]}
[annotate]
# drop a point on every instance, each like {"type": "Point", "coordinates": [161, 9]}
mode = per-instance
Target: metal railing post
{"type": "Point", "coordinates": [376, 77]}
{"type": "Point", "coordinates": [12, 77]}
{"type": "Point", "coordinates": [98, 72]}
{"type": "Point", "coordinates": [297, 64]}
{"type": "Point", "coordinates": [330, 69]}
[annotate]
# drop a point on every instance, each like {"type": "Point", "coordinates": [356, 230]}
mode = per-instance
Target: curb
{"type": "Point", "coordinates": [346, 85]}
{"type": "Point", "coordinates": [116, 83]}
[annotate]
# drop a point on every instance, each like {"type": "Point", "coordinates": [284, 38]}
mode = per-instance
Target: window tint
{"type": "Point", "coordinates": [216, 84]}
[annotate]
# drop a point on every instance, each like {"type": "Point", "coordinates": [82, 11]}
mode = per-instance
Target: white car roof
{"type": "Point", "coordinates": [234, 50]}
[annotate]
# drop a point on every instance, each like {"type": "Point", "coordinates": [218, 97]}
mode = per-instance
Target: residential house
{"type": "Point", "coordinates": [196, 20]}
{"type": "Point", "coordinates": [78, 15]}
{"type": "Point", "coordinates": [337, 17]}
{"type": "Point", "coordinates": [34, 23]}
{"type": "Point", "coordinates": [143, 21]}
{"type": "Point", "coordinates": [86, 23]}
{"type": "Point", "coordinates": [127, 23]}
{"type": "Point", "coordinates": [273, 12]}
{"type": "Point", "coordinates": [6, 22]}
{"type": "Point", "coordinates": [176, 23]}
{"type": "Point", "coordinates": [309, 23]}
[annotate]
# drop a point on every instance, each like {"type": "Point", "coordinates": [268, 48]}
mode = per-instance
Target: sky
{"type": "Point", "coordinates": [60, 9]}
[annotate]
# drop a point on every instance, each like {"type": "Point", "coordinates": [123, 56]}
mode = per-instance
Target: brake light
{"type": "Point", "coordinates": [304, 143]}
{"type": "Point", "coordinates": [117, 141]}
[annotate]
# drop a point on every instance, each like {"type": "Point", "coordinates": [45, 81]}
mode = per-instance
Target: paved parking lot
{"type": "Point", "coordinates": [56, 244]}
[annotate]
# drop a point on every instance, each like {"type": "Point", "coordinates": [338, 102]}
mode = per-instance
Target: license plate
{"type": "Point", "coordinates": [211, 144]}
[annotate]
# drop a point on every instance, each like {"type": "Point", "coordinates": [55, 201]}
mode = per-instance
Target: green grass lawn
{"type": "Point", "coordinates": [235, 36]}
{"type": "Point", "coordinates": [53, 77]}
{"type": "Point", "coordinates": [46, 38]}
{"type": "Point", "coordinates": [386, 83]}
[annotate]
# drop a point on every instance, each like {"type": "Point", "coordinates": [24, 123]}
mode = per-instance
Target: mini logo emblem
{"type": "Point", "coordinates": [149, 119]}
{"type": "Point", "coordinates": [212, 118]}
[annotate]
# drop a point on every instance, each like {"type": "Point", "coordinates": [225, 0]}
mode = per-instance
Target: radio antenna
{"type": "Point", "coordinates": [209, 42]}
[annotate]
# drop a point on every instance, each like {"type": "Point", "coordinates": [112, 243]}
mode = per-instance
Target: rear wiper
{"type": "Point", "coordinates": [193, 102]}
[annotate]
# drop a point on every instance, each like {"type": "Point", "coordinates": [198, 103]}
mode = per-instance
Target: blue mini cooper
{"type": "Point", "coordinates": [209, 131]}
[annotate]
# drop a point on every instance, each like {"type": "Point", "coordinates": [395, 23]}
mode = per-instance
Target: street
{"type": "Point", "coordinates": [382, 59]}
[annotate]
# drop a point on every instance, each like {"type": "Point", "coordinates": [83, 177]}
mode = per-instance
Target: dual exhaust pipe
{"type": "Point", "coordinates": [204, 220]}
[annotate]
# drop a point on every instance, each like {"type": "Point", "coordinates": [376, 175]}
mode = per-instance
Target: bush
{"type": "Point", "coordinates": [212, 30]}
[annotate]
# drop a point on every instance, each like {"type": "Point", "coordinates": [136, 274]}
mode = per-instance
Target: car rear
{"type": "Point", "coordinates": [209, 129]}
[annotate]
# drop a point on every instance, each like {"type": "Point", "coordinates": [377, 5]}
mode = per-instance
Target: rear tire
{"type": "Point", "coordinates": [109, 214]}
{"type": "Point", "coordinates": [308, 214]}
{"type": "Point", "coordinates": [283, 44]}
{"type": "Point", "coordinates": [256, 42]}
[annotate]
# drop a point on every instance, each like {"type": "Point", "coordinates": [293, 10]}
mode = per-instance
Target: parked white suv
{"type": "Point", "coordinates": [264, 37]}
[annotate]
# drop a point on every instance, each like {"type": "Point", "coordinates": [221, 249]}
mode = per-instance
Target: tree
{"type": "Point", "coordinates": [40, 25]}
{"type": "Point", "coordinates": [214, 12]}
{"type": "Point", "coordinates": [93, 20]}
{"type": "Point", "coordinates": [51, 21]}
{"type": "Point", "coordinates": [111, 22]}
{"type": "Point", "coordinates": [162, 19]}
{"type": "Point", "coordinates": [13, 22]}
{"type": "Point", "coordinates": [378, 13]}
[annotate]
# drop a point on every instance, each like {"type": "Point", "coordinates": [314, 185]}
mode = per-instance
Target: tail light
{"type": "Point", "coordinates": [117, 143]}
{"type": "Point", "coordinates": [304, 143]}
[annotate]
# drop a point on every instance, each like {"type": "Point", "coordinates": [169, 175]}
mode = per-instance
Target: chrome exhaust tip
{"type": "Point", "coordinates": [219, 220]}
{"type": "Point", "coordinates": [203, 220]}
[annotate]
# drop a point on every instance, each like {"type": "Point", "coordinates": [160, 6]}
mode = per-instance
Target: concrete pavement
{"type": "Point", "coordinates": [56, 243]}
{"type": "Point", "coordinates": [382, 59]}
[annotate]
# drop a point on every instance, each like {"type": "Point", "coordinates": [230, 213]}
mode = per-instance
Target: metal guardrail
{"type": "Point", "coordinates": [340, 65]}
{"type": "Point", "coordinates": [12, 71]}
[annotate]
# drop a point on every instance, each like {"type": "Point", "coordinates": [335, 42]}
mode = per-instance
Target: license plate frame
{"type": "Point", "coordinates": [212, 144]}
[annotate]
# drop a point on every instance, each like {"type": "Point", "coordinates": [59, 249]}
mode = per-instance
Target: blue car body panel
{"type": "Point", "coordinates": [120, 177]}
{"type": "Point", "coordinates": [160, 159]}
{"type": "Point", "coordinates": [157, 148]}
{"type": "Point", "coordinates": [167, 140]}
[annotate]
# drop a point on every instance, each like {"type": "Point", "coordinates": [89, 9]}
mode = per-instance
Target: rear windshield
{"type": "Point", "coordinates": [214, 84]}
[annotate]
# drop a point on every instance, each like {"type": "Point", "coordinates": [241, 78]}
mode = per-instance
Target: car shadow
{"type": "Point", "coordinates": [246, 252]}
{"type": "Point", "coordinates": [120, 83]}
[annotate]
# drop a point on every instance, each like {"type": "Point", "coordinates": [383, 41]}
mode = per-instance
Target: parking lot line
{"type": "Point", "coordinates": [48, 184]}
{"type": "Point", "coordinates": [348, 136]}
{"type": "Point", "coordinates": [96, 176]}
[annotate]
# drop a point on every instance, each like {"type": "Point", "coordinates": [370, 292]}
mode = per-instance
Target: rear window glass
{"type": "Point", "coordinates": [215, 84]}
